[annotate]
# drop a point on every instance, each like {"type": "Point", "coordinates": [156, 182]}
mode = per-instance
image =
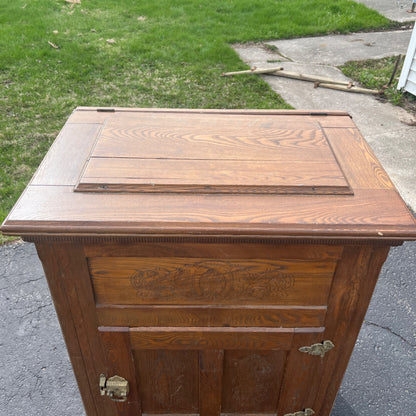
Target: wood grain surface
{"type": "Point", "coordinates": [212, 153]}
{"type": "Point", "coordinates": [378, 214]}
{"type": "Point", "coordinates": [221, 249]}
{"type": "Point", "coordinates": [193, 281]}
{"type": "Point", "coordinates": [311, 152]}
{"type": "Point", "coordinates": [206, 176]}
{"type": "Point", "coordinates": [65, 267]}
{"type": "Point", "coordinates": [303, 376]}
{"type": "Point", "coordinates": [120, 361]}
{"type": "Point", "coordinates": [168, 380]}
{"type": "Point", "coordinates": [210, 382]}
{"type": "Point", "coordinates": [211, 137]}
{"type": "Point", "coordinates": [67, 155]}
{"type": "Point", "coordinates": [252, 381]}
{"type": "Point", "coordinates": [354, 284]}
{"type": "Point", "coordinates": [211, 315]}
{"type": "Point", "coordinates": [360, 165]}
{"type": "Point", "coordinates": [197, 338]}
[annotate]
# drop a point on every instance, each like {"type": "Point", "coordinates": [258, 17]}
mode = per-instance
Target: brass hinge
{"type": "Point", "coordinates": [306, 412]}
{"type": "Point", "coordinates": [318, 349]}
{"type": "Point", "coordinates": [116, 388]}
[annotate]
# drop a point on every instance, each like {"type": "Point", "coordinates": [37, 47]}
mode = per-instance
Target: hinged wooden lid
{"type": "Point", "coordinates": [212, 153]}
{"type": "Point", "coordinates": [225, 173]}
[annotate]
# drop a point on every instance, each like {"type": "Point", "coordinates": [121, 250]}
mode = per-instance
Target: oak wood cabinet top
{"type": "Point", "coordinates": [256, 173]}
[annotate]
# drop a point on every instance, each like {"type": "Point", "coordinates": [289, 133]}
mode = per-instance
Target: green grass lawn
{"type": "Point", "coordinates": [166, 53]}
{"type": "Point", "coordinates": [376, 74]}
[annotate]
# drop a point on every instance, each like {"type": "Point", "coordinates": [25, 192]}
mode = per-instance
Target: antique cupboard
{"type": "Point", "coordinates": [210, 261]}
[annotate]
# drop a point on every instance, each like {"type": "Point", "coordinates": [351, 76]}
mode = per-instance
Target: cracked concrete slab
{"type": "Point", "coordinates": [393, 9]}
{"type": "Point", "coordinates": [389, 130]}
{"type": "Point", "coordinates": [338, 49]}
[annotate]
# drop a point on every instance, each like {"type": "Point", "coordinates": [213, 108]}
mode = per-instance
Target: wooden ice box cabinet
{"type": "Point", "coordinates": [210, 261]}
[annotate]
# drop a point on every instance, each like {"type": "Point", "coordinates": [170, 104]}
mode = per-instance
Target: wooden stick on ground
{"type": "Point", "coordinates": [399, 58]}
{"type": "Point", "coordinates": [311, 78]}
{"type": "Point", "coordinates": [319, 81]}
{"type": "Point", "coordinates": [253, 70]}
{"type": "Point", "coordinates": [280, 72]}
{"type": "Point", "coordinates": [346, 88]}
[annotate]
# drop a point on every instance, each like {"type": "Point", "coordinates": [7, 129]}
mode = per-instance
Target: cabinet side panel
{"type": "Point", "coordinates": [354, 283]}
{"type": "Point", "coordinates": [303, 373]}
{"type": "Point", "coordinates": [68, 278]}
{"type": "Point", "coordinates": [63, 310]}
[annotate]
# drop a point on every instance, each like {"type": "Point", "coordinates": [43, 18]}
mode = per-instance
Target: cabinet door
{"type": "Point", "coordinates": [209, 371]}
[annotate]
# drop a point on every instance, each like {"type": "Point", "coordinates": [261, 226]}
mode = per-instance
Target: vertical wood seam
{"type": "Point", "coordinates": [337, 265]}
{"type": "Point", "coordinates": [282, 383]}
{"type": "Point", "coordinates": [94, 381]}
{"type": "Point", "coordinates": [81, 326]}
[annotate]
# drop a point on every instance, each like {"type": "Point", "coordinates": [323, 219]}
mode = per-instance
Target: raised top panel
{"type": "Point", "coordinates": [212, 153]}
{"type": "Point", "coordinates": [262, 174]}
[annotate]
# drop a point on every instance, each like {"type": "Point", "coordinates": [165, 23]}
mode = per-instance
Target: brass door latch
{"type": "Point", "coordinates": [116, 388]}
{"type": "Point", "coordinates": [318, 349]}
{"type": "Point", "coordinates": [306, 412]}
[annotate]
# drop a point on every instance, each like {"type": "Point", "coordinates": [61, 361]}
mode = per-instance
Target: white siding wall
{"type": "Point", "coordinates": [408, 76]}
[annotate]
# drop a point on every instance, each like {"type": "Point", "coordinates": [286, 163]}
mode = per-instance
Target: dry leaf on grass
{"type": "Point", "coordinates": [142, 18]}
{"type": "Point", "coordinates": [55, 32]}
{"type": "Point", "coordinates": [111, 41]}
{"type": "Point", "coordinates": [53, 45]}
{"type": "Point", "coordinates": [73, 1]}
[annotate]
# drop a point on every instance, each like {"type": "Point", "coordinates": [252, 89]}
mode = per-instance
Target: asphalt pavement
{"type": "Point", "coordinates": [35, 373]}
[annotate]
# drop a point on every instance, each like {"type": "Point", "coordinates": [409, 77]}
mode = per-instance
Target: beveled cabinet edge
{"type": "Point", "coordinates": [94, 237]}
{"type": "Point", "coordinates": [110, 110]}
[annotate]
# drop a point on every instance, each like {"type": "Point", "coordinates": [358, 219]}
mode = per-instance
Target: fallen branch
{"type": "Point", "coordinates": [310, 78]}
{"type": "Point", "coordinates": [399, 58]}
{"type": "Point", "coordinates": [346, 88]}
{"type": "Point", "coordinates": [318, 81]}
{"type": "Point", "coordinates": [253, 70]}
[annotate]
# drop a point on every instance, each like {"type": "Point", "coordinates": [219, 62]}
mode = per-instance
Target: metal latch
{"type": "Point", "coordinates": [318, 349]}
{"type": "Point", "coordinates": [116, 388]}
{"type": "Point", "coordinates": [306, 412]}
